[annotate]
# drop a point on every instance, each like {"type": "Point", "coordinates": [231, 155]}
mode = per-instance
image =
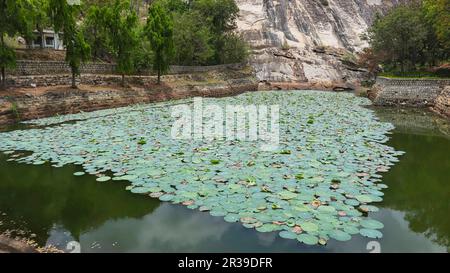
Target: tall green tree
{"type": "Point", "coordinates": [159, 31]}
{"type": "Point", "coordinates": [192, 39]}
{"type": "Point", "coordinates": [222, 14]}
{"type": "Point", "coordinates": [175, 5]}
{"type": "Point", "coordinates": [221, 17]}
{"type": "Point", "coordinates": [122, 24]}
{"type": "Point", "coordinates": [400, 36]}
{"type": "Point", "coordinates": [14, 19]}
{"type": "Point", "coordinates": [96, 31]}
{"type": "Point", "coordinates": [234, 49]}
{"type": "Point", "coordinates": [437, 13]}
{"type": "Point", "coordinates": [64, 18]}
{"type": "Point", "coordinates": [40, 16]}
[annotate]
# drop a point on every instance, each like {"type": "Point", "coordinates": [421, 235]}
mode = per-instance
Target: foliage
{"type": "Point", "coordinates": [406, 39]}
{"type": "Point", "coordinates": [234, 49]}
{"type": "Point", "coordinates": [175, 5]}
{"type": "Point", "coordinates": [143, 55]}
{"type": "Point", "coordinates": [13, 20]}
{"type": "Point", "coordinates": [159, 31]}
{"type": "Point", "coordinates": [122, 24]}
{"type": "Point", "coordinates": [96, 32]}
{"type": "Point", "coordinates": [40, 16]}
{"type": "Point", "coordinates": [64, 18]}
{"type": "Point", "coordinates": [192, 40]}
{"type": "Point", "coordinates": [437, 12]}
{"type": "Point", "coordinates": [220, 14]}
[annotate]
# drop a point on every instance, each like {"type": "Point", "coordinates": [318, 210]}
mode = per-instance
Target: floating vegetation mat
{"type": "Point", "coordinates": [319, 185]}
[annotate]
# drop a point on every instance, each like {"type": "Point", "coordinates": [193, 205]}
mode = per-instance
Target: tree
{"type": "Point", "coordinates": [159, 31]}
{"type": "Point", "coordinates": [192, 39]}
{"type": "Point", "coordinates": [40, 17]}
{"type": "Point", "coordinates": [13, 20]}
{"type": "Point", "coordinates": [234, 49]}
{"type": "Point", "coordinates": [175, 5]}
{"type": "Point", "coordinates": [64, 18]}
{"type": "Point", "coordinates": [400, 36]}
{"type": "Point", "coordinates": [122, 24]}
{"type": "Point", "coordinates": [412, 36]}
{"type": "Point", "coordinates": [438, 12]}
{"type": "Point", "coordinates": [220, 16]}
{"type": "Point", "coordinates": [96, 32]}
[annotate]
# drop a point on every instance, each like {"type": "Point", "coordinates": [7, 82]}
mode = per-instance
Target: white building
{"type": "Point", "coordinates": [47, 39]}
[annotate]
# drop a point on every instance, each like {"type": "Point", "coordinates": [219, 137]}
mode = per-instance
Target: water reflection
{"type": "Point", "coordinates": [43, 200]}
{"type": "Point", "coordinates": [423, 195]}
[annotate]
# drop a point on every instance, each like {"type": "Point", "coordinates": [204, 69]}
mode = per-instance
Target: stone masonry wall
{"type": "Point", "coordinates": [29, 105]}
{"type": "Point", "coordinates": [29, 67]}
{"type": "Point", "coordinates": [407, 92]}
{"type": "Point", "coordinates": [442, 105]}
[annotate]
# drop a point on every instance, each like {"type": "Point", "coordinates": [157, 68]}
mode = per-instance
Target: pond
{"type": "Point", "coordinates": [56, 207]}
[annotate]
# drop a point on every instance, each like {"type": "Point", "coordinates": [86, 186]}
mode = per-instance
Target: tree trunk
{"type": "Point", "coordinates": [3, 76]}
{"type": "Point", "coordinates": [123, 80]}
{"type": "Point", "coordinates": [159, 76]}
{"type": "Point", "coordinates": [3, 83]}
{"type": "Point", "coordinates": [42, 38]}
{"type": "Point", "coordinates": [74, 84]}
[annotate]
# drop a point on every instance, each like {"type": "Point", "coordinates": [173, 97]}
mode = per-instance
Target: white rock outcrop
{"type": "Point", "coordinates": [307, 40]}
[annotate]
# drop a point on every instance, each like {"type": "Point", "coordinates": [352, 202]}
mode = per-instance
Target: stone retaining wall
{"type": "Point", "coordinates": [442, 105]}
{"type": "Point", "coordinates": [29, 67]}
{"type": "Point", "coordinates": [407, 92]}
{"type": "Point", "coordinates": [63, 100]}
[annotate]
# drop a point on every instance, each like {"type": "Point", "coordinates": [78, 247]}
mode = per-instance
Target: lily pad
{"type": "Point", "coordinates": [371, 224]}
{"type": "Point", "coordinates": [308, 239]}
{"type": "Point", "coordinates": [371, 233]}
{"type": "Point", "coordinates": [103, 179]}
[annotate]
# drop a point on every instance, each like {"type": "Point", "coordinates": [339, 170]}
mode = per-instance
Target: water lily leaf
{"type": "Point", "coordinates": [364, 198]}
{"type": "Point", "coordinates": [371, 233]}
{"type": "Point", "coordinates": [287, 234]}
{"type": "Point", "coordinates": [340, 235]}
{"type": "Point", "coordinates": [308, 239]}
{"type": "Point", "coordinates": [166, 197]}
{"type": "Point", "coordinates": [371, 224]}
{"type": "Point", "coordinates": [103, 179]}
{"type": "Point", "coordinates": [140, 190]}
{"type": "Point", "coordinates": [267, 228]}
{"type": "Point", "coordinates": [309, 227]}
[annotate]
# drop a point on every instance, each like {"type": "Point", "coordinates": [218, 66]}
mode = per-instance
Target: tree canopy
{"type": "Point", "coordinates": [159, 31]}
{"type": "Point", "coordinates": [122, 23]}
{"type": "Point", "coordinates": [175, 32]}
{"type": "Point", "coordinates": [64, 18]}
{"type": "Point", "coordinates": [409, 37]}
{"type": "Point", "coordinates": [14, 19]}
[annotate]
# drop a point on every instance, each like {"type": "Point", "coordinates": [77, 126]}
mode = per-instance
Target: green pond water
{"type": "Point", "coordinates": [55, 207]}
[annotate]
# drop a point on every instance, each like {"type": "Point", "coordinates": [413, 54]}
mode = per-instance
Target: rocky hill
{"type": "Point", "coordinates": [310, 41]}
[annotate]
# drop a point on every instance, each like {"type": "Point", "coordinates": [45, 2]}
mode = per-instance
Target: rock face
{"type": "Point", "coordinates": [308, 40]}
